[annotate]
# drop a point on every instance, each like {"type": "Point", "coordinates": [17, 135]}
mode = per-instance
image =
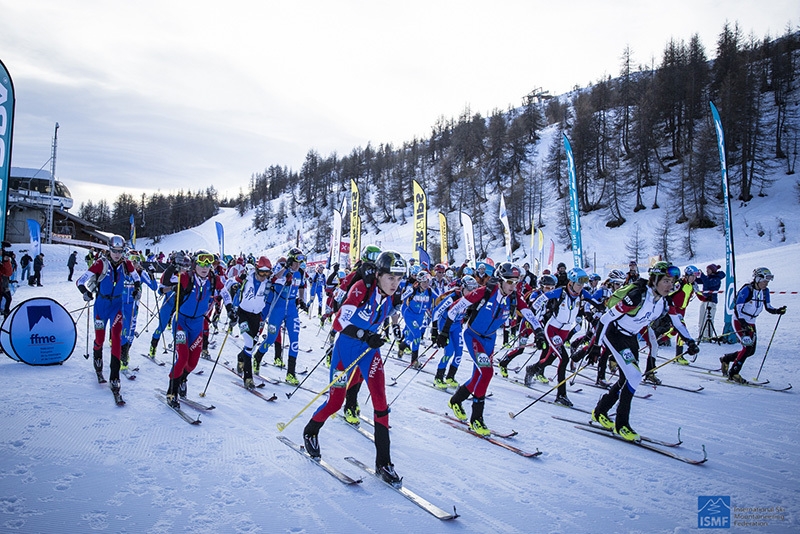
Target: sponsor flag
{"type": "Point", "coordinates": [220, 239]}
{"type": "Point", "coordinates": [420, 219]}
{"type": "Point", "coordinates": [444, 246]}
{"type": "Point", "coordinates": [469, 239]}
{"type": "Point", "coordinates": [36, 236]}
{"type": "Point", "coordinates": [730, 256]}
{"type": "Point", "coordinates": [506, 229]}
{"type": "Point", "coordinates": [6, 135]}
{"type": "Point", "coordinates": [336, 239]}
{"type": "Point", "coordinates": [133, 232]}
{"type": "Point", "coordinates": [575, 215]}
{"type": "Point", "coordinates": [355, 223]}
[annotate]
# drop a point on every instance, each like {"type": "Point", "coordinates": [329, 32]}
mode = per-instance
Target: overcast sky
{"type": "Point", "coordinates": [186, 94]}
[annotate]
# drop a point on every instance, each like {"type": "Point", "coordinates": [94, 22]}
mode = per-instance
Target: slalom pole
{"type": "Point", "coordinates": [414, 376]}
{"type": "Point", "coordinates": [227, 332]}
{"type": "Point", "coordinates": [769, 345]}
{"type": "Point", "coordinates": [513, 415]}
{"type": "Point", "coordinates": [282, 426]}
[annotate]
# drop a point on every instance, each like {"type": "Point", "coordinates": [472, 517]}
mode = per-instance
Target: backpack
{"type": "Point", "coordinates": [622, 292]}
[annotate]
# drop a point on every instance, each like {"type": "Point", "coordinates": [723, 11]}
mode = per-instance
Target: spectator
{"type": "Point", "coordinates": [6, 271]}
{"type": "Point", "coordinates": [71, 261]}
{"type": "Point", "coordinates": [38, 265]}
{"type": "Point", "coordinates": [25, 263]}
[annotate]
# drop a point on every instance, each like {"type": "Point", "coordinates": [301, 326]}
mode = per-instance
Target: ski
{"type": "Point", "coordinates": [504, 435]}
{"type": "Point", "coordinates": [128, 373]}
{"type": "Point", "coordinates": [341, 477]}
{"type": "Point", "coordinates": [516, 450]}
{"type": "Point", "coordinates": [598, 386]}
{"type": "Point", "coordinates": [258, 394]}
{"type": "Point", "coordinates": [272, 381]}
{"type": "Point", "coordinates": [358, 428]}
{"type": "Point", "coordinates": [426, 505]}
{"type": "Point", "coordinates": [185, 416]}
{"type": "Point", "coordinates": [191, 403]}
{"type": "Point", "coordinates": [234, 371]}
{"type": "Point", "coordinates": [643, 438]}
{"type": "Point", "coordinates": [522, 383]}
{"type": "Point", "coordinates": [645, 445]}
{"type": "Point", "coordinates": [762, 385]}
{"type": "Point", "coordinates": [154, 360]}
{"type": "Point", "coordinates": [554, 403]}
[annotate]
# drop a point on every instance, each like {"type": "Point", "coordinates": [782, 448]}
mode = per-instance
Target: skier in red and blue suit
{"type": "Point", "coordinates": [487, 309]}
{"type": "Point", "coordinates": [356, 350]}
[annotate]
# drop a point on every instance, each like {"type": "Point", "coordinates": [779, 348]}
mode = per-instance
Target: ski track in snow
{"type": "Point", "coordinates": [72, 461]}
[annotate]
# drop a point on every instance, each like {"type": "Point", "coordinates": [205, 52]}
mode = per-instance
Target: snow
{"type": "Point", "coordinates": [72, 461]}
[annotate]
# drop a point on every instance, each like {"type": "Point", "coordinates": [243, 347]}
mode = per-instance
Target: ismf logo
{"type": "Point", "coordinates": [713, 512]}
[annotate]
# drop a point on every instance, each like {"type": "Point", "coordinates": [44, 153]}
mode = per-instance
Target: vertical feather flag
{"type": "Point", "coordinates": [220, 238]}
{"type": "Point", "coordinates": [469, 239]}
{"type": "Point", "coordinates": [36, 236]}
{"type": "Point", "coordinates": [506, 229]}
{"type": "Point", "coordinates": [355, 223]}
{"type": "Point", "coordinates": [336, 238]}
{"type": "Point", "coordinates": [133, 232]}
{"type": "Point", "coordinates": [730, 256]}
{"type": "Point", "coordinates": [6, 136]}
{"type": "Point", "coordinates": [420, 219]}
{"type": "Point", "coordinates": [575, 216]}
{"type": "Point", "coordinates": [444, 246]}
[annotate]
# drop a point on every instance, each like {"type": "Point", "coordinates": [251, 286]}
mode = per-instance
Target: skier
{"type": "Point", "coordinates": [564, 306]}
{"type": "Point", "coordinates": [195, 292]}
{"type": "Point", "coordinates": [454, 347]}
{"type": "Point", "coordinates": [317, 283]}
{"type": "Point", "coordinates": [662, 327]}
{"type": "Point", "coordinates": [486, 309]}
{"type": "Point", "coordinates": [251, 291]}
{"type": "Point", "coordinates": [166, 287]}
{"type": "Point", "coordinates": [107, 276]}
{"type": "Point", "coordinates": [751, 300]}
{"type": "Point", "coordinates": [357, 349]}
{"type": "Point", "coordinates": [417, 303]}
{"type": "Point", "coordinates": [289, 294]}
{"type": "Point", "coordinates": [642, 303]}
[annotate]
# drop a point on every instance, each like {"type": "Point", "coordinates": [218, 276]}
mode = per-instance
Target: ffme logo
{"type": "Point", "coordinates": [713, 512]}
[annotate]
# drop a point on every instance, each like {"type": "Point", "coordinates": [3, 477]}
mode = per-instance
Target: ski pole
{"type": "Point", "coordinates": [413, 377]}
{"type": "Point", "coordinates": [513, 415]}
{"type": "Point", "coordinates": [656, 368]}
{"type": "Point", "coordinates": [203, 394]}
{"type": "Point", "coordinates": [298, 386]}
{"type": "Point", "coordinates": [409, 366]}
{"type": "Point", "coordinates": [386, 359]}
{"type": "Point", "coordinates": [769, 345]}
{"type": "Point", "coordinates": [282, 426]}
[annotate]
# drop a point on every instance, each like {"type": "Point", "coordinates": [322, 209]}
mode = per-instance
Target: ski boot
{"type": "Point", "coordinates": [563, 400]}
{"type": "Point", "coordinates": [311, 439]}
{"type": "Point", "coordinates": [651, 378]}
{"type": "Point", "coordinates": [451, 377]}
{"type": "Point", "coordinates": [724, 365]}
{"type": "Point", "coordinates": [98, 365]}
{"type": "Point", "coordinates": [627, 433]}
{"type": "Point", "coordinates": [278, 361]}
{"type": "Point", "coordinates": [476, 423]}
{"type": "Point", "coordinates": [438, 380]}
{"type": "Point", "coordinates": [117, 395]}
{"type": "Point", "coordinates": [291, 379]}
{"type": "Point", "coordinates": [603, 420]}
{"type": "Point", "coordinates": [249, 384]}
{"type": "Point", "coordinates": [351, 415]}
{"type": "Point", "coordinates": [153, 346]}
{"type": "Point", "coordinates": [461, 394]}
{"type": "Point", "coordinates": [388, 474]}
{"type": "Point", "coordinates": [183, 388]}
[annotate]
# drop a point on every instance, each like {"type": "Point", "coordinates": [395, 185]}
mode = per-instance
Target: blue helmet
{"type": "Point", "coordinates": [577, 275]}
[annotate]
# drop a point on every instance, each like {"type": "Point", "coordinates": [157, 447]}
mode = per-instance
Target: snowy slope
{"type": "Point", "coordinates": [71, 461]}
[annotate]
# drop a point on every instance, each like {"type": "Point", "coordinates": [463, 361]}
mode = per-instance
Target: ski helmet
{"type": "Point", "coordinates": [762, 274]}
{"type": "Point", "coordinates": [263, 264]}
{"type": "Point", "coordinates": [508, 271]}
{"type": "Point", "coordinates": [595, 276]}
{"type": "Point", "coordinates": [423, 276]}
{"type": "Point", "coordinates": [577, 275]}
{"type": "Point", "coordinates": [468, 270]}
{"type": "Point", "coordinates": [391, 262]}
{"type": "Point", "coordinates": [370, 253]}
{"type": "Point", "coordinates": [296, 255]}
{"type": "Point", "coordinates": [414, 270]}
{"type": "Point", "coordinates": [616, 276]}
{"type": "Point", "coordinates": [548, 280]}
{"type": "Point", "coordinates": [691, 270]}
{"type": "Point", "coordinates": [468, 283]}
{"type": "Point", "coordinates": [663, 268]}
{"type": "Point", "coordinates": [341, 274]}
{"type": "Point", "coordinates": [440, 268]}
{"type": "Point", "coordinates": [116, 244]}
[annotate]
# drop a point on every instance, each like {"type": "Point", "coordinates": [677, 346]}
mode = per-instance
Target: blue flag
{"type": "Point", "coordinates": [220, 238]}
{"type": "Point", "coordinates": [133, 232]}
{"type": "Point", "coordinates": [36, 236]}
{"type": "Point", "coordinates": [424, 259]}
{"type": "Point", "coordinates": [575, 215]}
{"type": "Point", "coordinates": [6, 135]}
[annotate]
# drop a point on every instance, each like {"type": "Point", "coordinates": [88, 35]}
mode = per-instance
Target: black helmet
{"type": "Point", "coordinates": [663, 268]}
{"type": "Point", "coordinates": [116, 243]}
{"type": "Point", "coordinates": [295, 255]}
{"type": "Point", "coordinates": [508, 271]}
{"type": "Point", "coordinates": [391, 262]}
{"type": "Point", "coordinates": [548, 280]}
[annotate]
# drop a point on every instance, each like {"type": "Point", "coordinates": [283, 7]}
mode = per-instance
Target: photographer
{"type": "Point", "coordinates": [6, 271]}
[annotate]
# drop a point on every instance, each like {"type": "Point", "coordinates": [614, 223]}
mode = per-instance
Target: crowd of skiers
{"type": "Point", "coordinates": [570, 317]}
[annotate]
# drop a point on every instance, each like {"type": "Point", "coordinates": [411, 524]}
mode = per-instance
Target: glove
{"type": "Point", "coordinates": [540, 340]}
{"type": "Point", "coordinates": [137, 290]}
{"type": "Point", "coordinates": [87, 297]}
{"type": "Point", "coordinates": [442, 339]}
{"type": "Point", "coordinates": [578, 321]}
{"type": "Point", "coordinates": [232, 317]}
{"type": "Point", "coordinates": [398, 334]}
{"type": "Point", "coordinates": [693, 348]}
{"type": "Point", "coordinates": [374, 340]}
{"type": "Point", "coordinates": [302, 305]}
{"type": "Point", "coordinates": [434, 332]}
{"type": "Point", "coordinates": [335, 267]}
{"type": "Point", "coordinates": [778, 311]}
{"type": "Point", "coordinates": [151, 268]}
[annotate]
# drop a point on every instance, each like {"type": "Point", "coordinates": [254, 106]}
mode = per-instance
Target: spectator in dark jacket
{"type": "Point", "coordinates": [711, 282]}
{"type": "Point", "coordinates": [71, 261]}
{"type": "Point", "coordinates": [38, 265]}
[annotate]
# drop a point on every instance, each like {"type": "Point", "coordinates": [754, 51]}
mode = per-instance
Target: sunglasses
{"type": "Point", "coordinates": [204, 260]}
{"type": "Point", "coordinates": [583, 279]}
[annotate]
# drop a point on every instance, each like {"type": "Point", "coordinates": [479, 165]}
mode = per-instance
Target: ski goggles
{"type": "Point", "coordinates": [300, 258]}
{"type": "Point", "coordinates": [204, 260]}
{"type": "Point", "coordinates": [673, 271]}
{"type": "Point", "coordinates": [583, 280]}
{"type": "Point", "coordinates": [135, 257]}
